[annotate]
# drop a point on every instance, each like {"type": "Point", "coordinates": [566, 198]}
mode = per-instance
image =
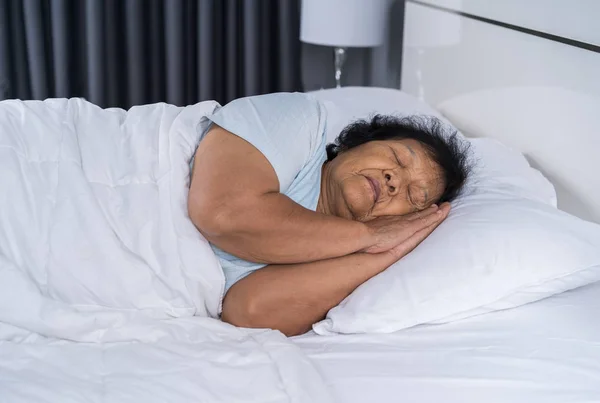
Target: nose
{"type": "Point", "coordinates": [392, 182]}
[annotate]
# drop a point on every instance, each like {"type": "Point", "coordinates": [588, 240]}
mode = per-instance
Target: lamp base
{"type": "Point", "coordinates": [339, 55]}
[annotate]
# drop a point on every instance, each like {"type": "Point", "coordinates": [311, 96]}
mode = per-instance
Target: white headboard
{"type": "Point", "coordinates": [526, 72]}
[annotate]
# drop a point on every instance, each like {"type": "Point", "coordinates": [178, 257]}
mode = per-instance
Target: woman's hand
{"type": "Point", "coordinates": [401, 234]}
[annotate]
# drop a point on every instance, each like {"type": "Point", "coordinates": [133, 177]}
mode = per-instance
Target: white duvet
{"type": "Point", "coordinates": [107, 291]}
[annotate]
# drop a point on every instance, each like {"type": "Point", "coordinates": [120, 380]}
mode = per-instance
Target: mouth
{"type": "Point", "coordinates": [375, 187]}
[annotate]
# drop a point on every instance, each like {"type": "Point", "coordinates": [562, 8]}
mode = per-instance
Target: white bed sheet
{"type": "Point", "coordinates": [547, 352]}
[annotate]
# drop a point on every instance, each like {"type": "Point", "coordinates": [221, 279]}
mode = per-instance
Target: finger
{"type": "Point", "coordinates": [441, 212]}
{"type": "Point", "coordinates": [425, 221]}
{"type": "Point", "coordinates": [420, 235]}
{"type": "Point", "coordinates": [423, 213]}
{"type": "Point", "coordinates": [445, 209]}
{"type": "Point", "coordinates": [445, 205]}
{"type": "Point", "coordinates": [415, 240]}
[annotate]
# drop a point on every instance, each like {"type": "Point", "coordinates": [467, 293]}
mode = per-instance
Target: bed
{"type": "Point", "coordinates": [160, 349]}
{"type": "Point", "coordinates": [548, 351]}
{"type": "Point", "coordinates": [528, 79]}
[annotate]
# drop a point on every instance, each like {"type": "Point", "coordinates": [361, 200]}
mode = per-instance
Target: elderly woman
{"type": "Point", "coordinates": [298, 224]}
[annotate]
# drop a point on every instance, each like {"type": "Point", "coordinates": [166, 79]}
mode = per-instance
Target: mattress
{"type": "Point", "coordinates": [547, 352]}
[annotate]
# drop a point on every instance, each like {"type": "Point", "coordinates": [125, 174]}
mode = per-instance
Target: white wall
{"type": "Point", "coordinates": [573, 19]}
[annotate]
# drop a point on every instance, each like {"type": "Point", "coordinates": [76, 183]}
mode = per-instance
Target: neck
{"type": "Point", "coordinates": [323, 203]}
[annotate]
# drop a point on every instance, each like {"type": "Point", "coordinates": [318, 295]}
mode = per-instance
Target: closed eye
{"type": "Point", "coordinates": [419, 204]}
{"type": "Point", "coordinates": [397, 158]}
{"type": "Point", "coordinates": [412, 201]}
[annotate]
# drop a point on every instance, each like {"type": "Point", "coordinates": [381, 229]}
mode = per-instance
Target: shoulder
{"type": "Point", "coordinates": [298, 104]}
{"type": "Point", "coordinates": [289, 117]}
{"type": "Point", "coordinates": [287, 128]}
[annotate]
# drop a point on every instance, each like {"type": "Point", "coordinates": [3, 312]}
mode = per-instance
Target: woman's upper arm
{"type": "Point", "coordinates": [256, 145]}
{"type": "Point", "coordinates": [228, 173]}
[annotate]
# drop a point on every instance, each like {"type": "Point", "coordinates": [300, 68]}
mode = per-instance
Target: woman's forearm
{"type": "Point", "coordinates": [290, 298]}
{"type": "Point", "coordinates": [273, 229]}
{"type": "Point", "coordinates": [234, 201]}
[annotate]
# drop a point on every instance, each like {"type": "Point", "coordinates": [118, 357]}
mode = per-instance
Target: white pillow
{"type": "Point", "coordinates": [556, 128]}
{"type": "Point", "coordinates": [503, 245]}
{"type": "Point", "coordinates": [347, 104]}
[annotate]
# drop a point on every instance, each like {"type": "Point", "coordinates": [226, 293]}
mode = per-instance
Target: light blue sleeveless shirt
{"type": "Point", "coordinates": [289, 130]}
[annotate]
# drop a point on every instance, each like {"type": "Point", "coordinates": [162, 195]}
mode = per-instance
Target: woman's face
{"type": "Point", "coordinates": [380, 178]}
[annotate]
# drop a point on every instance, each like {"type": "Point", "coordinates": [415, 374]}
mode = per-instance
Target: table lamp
{"type": "Point", "coordinates": [343, 24]}
{"type": "Point", "coordinates": [428, 28]}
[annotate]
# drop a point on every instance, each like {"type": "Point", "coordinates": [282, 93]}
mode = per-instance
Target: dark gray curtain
{"type": "Point", "coordinates": [129, 52]}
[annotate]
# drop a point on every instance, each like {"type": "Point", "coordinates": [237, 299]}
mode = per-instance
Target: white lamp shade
{"type": "Point", "coordinates": [344, 23]}
{"type": "Point", "coordinates": [441, 29]}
